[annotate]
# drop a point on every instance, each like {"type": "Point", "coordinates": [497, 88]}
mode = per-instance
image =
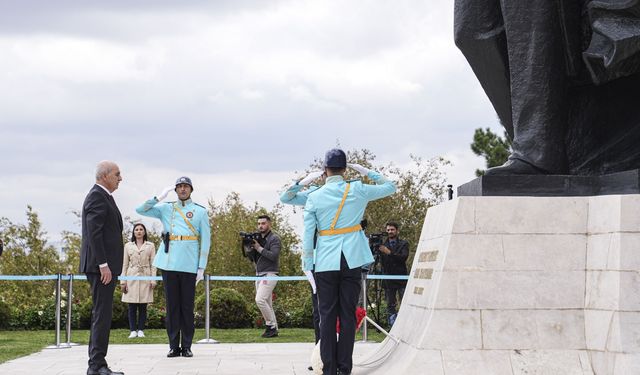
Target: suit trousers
{"type": "Point", "coordinates": [338, 293]}
{"type": "Point", "coordinates": [179, 293]}
{"type": "Point", "coordinates": [390, 294]}
{"type": "Point", "coordinates": [101, 313]}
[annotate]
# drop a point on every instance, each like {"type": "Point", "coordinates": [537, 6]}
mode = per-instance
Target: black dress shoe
{"type": "Point", "coordinates": [186, 352]}
{"type": "Point", "coordinates": [515, 167]}
{"type": "Point", "coordinates": [104, 370]}
{"type": "Point", "coordinates": [175, 352]}
{"type": "Point", "coordinates": [270, 332]}
{"type": "Point", "coordinates": [310, 368]}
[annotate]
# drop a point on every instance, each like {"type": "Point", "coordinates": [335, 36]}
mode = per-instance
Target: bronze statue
{"type": "Point", "coordinates": [563, 77]}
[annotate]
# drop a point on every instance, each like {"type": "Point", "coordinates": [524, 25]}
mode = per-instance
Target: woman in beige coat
{"type": "Point", "coordinates": [138, 260]}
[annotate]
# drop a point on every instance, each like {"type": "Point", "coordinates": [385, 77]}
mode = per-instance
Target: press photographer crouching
{"type": "Point", "coordinates": [263, 249]}
{"type": "Point", "coordinates": [393, 256]}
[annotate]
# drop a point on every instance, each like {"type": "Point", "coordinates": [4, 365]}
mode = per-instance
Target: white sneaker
{"type": "Point", "coordinates": [133, 334]}
{"type": "Point", "coordinates": [140, 333]}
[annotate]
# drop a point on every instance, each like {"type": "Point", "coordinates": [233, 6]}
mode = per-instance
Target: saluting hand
{"type": "Point", "coordinates": [165, 192]}
{"type": "Point", "coordinates": [360, 169]}
{"type": "Point", "coordinates": [310, 177]}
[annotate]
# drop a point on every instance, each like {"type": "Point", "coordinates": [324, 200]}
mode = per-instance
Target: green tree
{"type": "Point", "coordinates": [27, 253]}
{"type": "Point", "coordinates": [232, 216]}
{"type": "Point", "coordinates": [493, 148]}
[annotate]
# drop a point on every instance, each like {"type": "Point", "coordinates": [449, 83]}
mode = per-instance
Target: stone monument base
{"type": "Point", "coordinates": [520, 285]}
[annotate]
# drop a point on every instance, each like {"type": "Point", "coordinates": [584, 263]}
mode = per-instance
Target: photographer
{"type": "Point", "coordinates": [393, 256]}
{"type": "Point", "coordinates": [265, 253]}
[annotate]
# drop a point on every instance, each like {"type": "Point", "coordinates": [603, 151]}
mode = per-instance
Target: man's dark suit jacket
{"type": "Point", "coordinates": [101, 233]}
{"type": "Point", "coordinates": [395, 263]}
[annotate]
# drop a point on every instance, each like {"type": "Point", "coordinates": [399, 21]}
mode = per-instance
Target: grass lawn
{"type": "Point", "coordinates": [14, 344]}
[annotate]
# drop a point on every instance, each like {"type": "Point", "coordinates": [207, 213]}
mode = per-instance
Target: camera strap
{"type": "Point", "coordinates": [332, 231]}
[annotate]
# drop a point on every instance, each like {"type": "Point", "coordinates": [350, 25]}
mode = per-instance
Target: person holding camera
{"type": "Point", "coordinates": [393, 256]}
{"type": "Point", "coordinates": [182, 257]}
{"type": "Point", "coordinates": [334, 213]}
{"type": "Point", "coordinates": [264, 251]}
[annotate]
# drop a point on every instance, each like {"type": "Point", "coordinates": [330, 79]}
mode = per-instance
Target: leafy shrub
{"type": "Point", "coordinates": [228, 309]}
{"type": "Point", "coordinates": [5, 315]}
{"type": "Point", "coordinates": [294, 311]}
{"type": "Point", "coordinates": [155, 316]}
{"type": "Point", "coordinates": [41, 316]}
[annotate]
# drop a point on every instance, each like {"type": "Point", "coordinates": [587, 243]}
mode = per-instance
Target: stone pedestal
{"type": "Point", "coordinates": [521, 285]}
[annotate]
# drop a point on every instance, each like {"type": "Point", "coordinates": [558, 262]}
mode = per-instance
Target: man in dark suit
{"type": "Point", "coordinates": [101, 259]}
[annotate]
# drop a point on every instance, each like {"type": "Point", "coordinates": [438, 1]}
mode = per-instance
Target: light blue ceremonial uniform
{"type": "Point", "coordinates": [294, 196]}
{"type": "Point", "coordinates": [183, 255]}
{"type": "Point", "coordinates": [319, 212]}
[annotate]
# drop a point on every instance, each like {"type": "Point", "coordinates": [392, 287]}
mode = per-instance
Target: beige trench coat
{"type": "Point", "coordinates": [138, 262]}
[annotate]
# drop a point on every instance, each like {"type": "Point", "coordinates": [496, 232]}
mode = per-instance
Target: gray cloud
{"type": "Point", "coordinates": [223, 89]}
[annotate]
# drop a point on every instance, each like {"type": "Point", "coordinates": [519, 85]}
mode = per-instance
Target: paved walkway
{"type": "Point", "coordinates": [231, 359]}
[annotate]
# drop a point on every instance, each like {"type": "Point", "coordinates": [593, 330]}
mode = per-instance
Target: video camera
{"type": "Point", "coordinates": [247, 238]}
{"type": "Point", "coordinates": [247, 241]}
{"type": "Point", "coordinates": [375, 240]}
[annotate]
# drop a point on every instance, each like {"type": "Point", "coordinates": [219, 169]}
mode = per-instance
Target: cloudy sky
{"type": "Point", "coordinates": [237, 94]}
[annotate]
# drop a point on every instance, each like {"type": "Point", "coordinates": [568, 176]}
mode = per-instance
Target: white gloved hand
{"type": "Point", "coordinates": [310, 177]}
{"type": "Point", "coordinates": [165, 192]}
{"type": "Point", "coordinates": [360, 169]}
{"type": "Point", "coordinates": [199, 275]}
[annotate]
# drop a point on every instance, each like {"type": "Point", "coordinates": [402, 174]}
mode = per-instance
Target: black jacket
{"type": "Point", "coordinates": [101, 233]}
{"type": "Point", "coordinates": [395, 263]}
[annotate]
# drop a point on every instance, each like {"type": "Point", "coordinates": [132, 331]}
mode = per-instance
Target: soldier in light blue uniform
{"type": "Point", "coordinates": [182, 257]}
{"type": "Point", "coordinates": [336, 210]}
{"type": "Point", "coordinates": [296, 196]}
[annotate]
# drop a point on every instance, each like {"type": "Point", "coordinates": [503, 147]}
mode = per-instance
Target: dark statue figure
{"type": "Point", "coordinates": [563, 77]}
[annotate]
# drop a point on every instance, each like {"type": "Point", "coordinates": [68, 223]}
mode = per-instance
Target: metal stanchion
{"type": "Point", "coordinates": [58, 303]}
{"type": "Point", "coordinates": [207, 326]}
{"type": "Point", "coordinates": [69, 312]}
{"type": "Point", "coordinates": [364, 305]}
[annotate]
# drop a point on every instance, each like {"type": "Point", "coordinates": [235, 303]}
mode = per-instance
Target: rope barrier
{"type": "Point", "coordinates": [212, 278]}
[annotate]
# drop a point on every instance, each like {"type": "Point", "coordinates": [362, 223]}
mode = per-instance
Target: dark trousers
{"type": "Point", "coordinates": [392, 302]}
{"type": "Point", "coordinates": [101, 313]}
{"type": "Point", "coordinates": [137, 316]}
{"type": "Point", "coordinates": [316, 315]}
{"type": "Point", "coordinates": [179, 292]}
{"type": "Point", "coordinates": [338, 293]}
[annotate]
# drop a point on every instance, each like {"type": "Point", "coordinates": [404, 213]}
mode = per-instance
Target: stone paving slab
{"type": "Point", "coordinates": [231, 359]}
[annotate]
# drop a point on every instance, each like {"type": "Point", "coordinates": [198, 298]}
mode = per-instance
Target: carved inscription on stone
{"type": "Point", "coordinates": [423, 273]}
{"type": "Point", "coordinates": [418, 290]}
{"type": "Point", "coordinates": [428, 256]}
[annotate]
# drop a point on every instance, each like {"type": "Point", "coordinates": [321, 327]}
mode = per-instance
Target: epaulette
{"type": "Point", "coordinates": [199, 205]}
{"type": "Point", "coordinates": [356, 180]}
{"type": "Point", "coordinates": [172, 202]}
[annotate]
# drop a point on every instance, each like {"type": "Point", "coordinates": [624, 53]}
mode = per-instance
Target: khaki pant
{"type": "Point", "coordinates": [264, 300]}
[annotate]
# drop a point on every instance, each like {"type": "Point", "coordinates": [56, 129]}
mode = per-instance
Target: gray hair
{"type": "Point", "coordinates": [104, 168]}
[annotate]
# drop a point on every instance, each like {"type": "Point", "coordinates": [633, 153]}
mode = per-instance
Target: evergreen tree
{"type": "Point", "coordinates": [493, 148]}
